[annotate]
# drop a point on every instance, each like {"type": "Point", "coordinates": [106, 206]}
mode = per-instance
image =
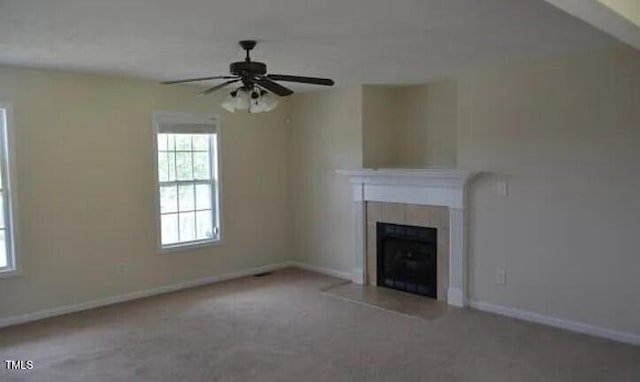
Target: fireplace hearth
{"type": "Point", "coordinates": [407, 258]}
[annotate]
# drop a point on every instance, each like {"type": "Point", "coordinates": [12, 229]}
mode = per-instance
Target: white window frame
{"type": "Point", "coordinates": [185, 118]}
{"type": "Point", "coordinates": [7, 166]}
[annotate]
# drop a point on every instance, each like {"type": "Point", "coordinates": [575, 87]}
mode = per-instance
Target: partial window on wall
{"type": "Point", "coordinates": [8, 261]}
{"type": "Point", "coordinates": [188, 181]}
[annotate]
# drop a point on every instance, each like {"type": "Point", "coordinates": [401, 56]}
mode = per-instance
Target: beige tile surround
{"type": "Point", "coordinates": [416, 215]}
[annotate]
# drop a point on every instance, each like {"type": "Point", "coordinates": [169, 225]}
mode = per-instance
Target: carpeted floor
{"type": "Point", "coordinates": [282, 327]}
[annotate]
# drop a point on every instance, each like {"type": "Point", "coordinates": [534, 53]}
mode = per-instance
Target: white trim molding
{"type": "Point", "coordinates": [66, 309]}
{"type": "Point", "coordinates": [578, 327]}
{"type": "Point", "coordinates": [434, 186]}
{"type": "Point", "coordinates": [322, 270]}
{"type": "Point", "coordinates": [8, 164]}
{"type": "Point", "coordinates": [357, 276]}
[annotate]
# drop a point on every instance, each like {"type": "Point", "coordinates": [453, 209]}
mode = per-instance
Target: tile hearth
{"type": "Point", "coordinates": [391, 300]}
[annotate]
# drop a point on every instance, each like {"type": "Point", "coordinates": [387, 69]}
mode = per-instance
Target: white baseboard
{"type": "Point", "coordinates": [39, 315]}
{"type": "Point", "coordinates": [357, 276]}
{"type": "Point", "coordinates": [325, 271]}
{"type": "Point", "coordinates": [629, 338]}
{"type": "Point", "coordinates": [454, 297]}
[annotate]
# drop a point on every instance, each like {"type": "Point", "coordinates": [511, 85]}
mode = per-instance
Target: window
{"type": "Point", "coordinates": [7, 245]}
{"type": "Point", "coordinates": [188, 186]}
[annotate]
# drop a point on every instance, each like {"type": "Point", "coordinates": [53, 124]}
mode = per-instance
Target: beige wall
{"type": "Point", "coordinates": [380, 126]}
{"type": "Point", "coordinates": [326, 135]}
{"type": "Point", "coordinates": [85, 177]}
{"type": "Point", "coordinates": [427, 116]}
{"type": "Point", "coordinates": [565, 134]}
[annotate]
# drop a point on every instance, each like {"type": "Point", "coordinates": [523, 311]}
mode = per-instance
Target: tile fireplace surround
{"type": "Point", "coordinates": [410, 187]}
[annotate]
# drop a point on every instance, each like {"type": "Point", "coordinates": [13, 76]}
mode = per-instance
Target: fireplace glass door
{"type": "Point", "coordinates": [407, 258]}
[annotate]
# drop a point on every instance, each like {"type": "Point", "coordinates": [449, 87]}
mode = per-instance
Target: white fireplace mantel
{"type": "Point", "coordinates": [437, 187]}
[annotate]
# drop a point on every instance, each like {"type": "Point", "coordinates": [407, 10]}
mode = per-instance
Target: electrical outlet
{"type": "Point", "coordinates": [501, 277]}
{"type": "Point", "coordinates": [503, 188]}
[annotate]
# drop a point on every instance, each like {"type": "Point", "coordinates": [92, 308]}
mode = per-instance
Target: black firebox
{"type": "Point", "coordinates": [407, 258]}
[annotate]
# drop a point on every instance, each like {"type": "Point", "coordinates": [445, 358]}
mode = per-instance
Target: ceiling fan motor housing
{"type": "Point", "coordinates": [253, 67]}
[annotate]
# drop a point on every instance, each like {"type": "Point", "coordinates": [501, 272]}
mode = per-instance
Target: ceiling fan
{"type": "Point", "coordinates": [253, 94]}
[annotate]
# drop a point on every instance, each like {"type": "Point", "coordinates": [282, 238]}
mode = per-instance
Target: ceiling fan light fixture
{"type": "Point", "coordinates": [269, 101]}
{"type": "Point", "coordinates": [237, 100]}
{"type": "Point", "coordinates": [243, 99]}
{"type": "Point", "coordinates": [229, 104]}
{"type": "Point", "coordinates": [257, 105]}
{"type": "Point", "coordinates": [253, 101]}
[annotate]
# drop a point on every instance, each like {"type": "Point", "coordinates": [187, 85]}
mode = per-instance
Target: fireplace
{"type": "Point", "coordinates": [411, 195]}
{"type": "Point", "coordinates": [407, 258]}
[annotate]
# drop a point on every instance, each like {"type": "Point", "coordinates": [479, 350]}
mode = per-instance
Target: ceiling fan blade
{"type": "Point", "coordinates": [272, 86]}
{"type": "Point", "coordinates": [304, 80]}
{"type": "Point", "coordinates": [198, 79]}
{"type": "Point", "coordinates": [218, 87]}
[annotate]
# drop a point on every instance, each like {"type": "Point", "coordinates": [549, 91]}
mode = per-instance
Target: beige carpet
{"type": "Point", "coordinates": [284, 328]}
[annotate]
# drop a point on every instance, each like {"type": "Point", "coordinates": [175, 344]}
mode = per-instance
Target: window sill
{"type": "Point", "coordinates": [10, 273]}
{"type": "Point", "coordinates": [190, 246]}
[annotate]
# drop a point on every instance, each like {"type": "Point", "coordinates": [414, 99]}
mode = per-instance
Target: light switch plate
{"type": "Point", "coordinates": [503, 188]}
{"type": "Point", "coordinates": [501, 277]}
